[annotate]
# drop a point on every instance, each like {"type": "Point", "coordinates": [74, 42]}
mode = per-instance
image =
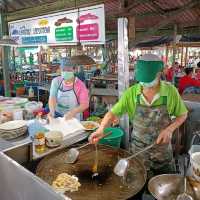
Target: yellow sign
{"type": "Point", "coordinates": [43, 22]}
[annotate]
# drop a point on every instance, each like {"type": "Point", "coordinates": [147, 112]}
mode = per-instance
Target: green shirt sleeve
{"type": "Point", "coordinates": [120, 107]}
{"type": "Point", "coordinates": [175, 104]}
{"type": "Point", "coordinates": [126, 104]}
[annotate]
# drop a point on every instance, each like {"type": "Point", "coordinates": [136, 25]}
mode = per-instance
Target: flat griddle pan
{"type": "Point", "coordinates": [106, 186]}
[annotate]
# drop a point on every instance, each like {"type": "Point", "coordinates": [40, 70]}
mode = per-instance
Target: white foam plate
{"type": "Point", "coordinates": [11, 125]}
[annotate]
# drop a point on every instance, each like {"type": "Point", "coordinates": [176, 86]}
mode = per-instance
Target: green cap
{"type": "Point", "coordinates": [147, 68]}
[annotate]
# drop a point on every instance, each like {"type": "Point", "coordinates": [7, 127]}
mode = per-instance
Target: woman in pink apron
{"type": "Point", "coordinates": [68, 95]}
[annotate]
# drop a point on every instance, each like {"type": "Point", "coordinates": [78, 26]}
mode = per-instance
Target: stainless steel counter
{"type": "Point", "coordinates": [9, 145]}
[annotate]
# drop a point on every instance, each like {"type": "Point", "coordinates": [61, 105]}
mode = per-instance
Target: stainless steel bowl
{"type": "Point", "coordinates": [169, 186]}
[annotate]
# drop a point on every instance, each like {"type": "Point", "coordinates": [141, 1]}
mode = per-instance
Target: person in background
{"type": "Point", "coordinates": [164, 73]}
{"type": "Point", "coordinates": [197, 76]}
{"type": "Point", "coordinates": [79, 72]}
{"type": "Point", "coordinates": [31, 59]}
{"type": "Point", "coordinates": [169, 73]}
{"type": "Point", "coordinates": [150, 105]}
{"type": "Point", "coordinates": [177, 68]}
{"type": "Point", "coordinates": [187, 84]}
{"type": "Point", "coordinates": [68, 95]}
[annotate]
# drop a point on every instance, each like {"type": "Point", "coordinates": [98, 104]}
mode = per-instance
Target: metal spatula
{"type": "Point", "coordinates": [73, 153]}
{"type": "Point", "coordinates": [122, 165]}
{"type": "Point", "coordinates": [184, 195]}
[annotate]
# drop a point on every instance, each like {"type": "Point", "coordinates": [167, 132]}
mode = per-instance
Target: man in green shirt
{"type": "Point", "coordinates": [150, 104]}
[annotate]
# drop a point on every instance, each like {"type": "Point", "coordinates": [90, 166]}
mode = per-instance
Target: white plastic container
{"type": "Point", "coordinates": [195, 161]}
{"type": "Point", "coordinates": [195, 157]}
{"type": "Point", "coordinates": [18, 114]}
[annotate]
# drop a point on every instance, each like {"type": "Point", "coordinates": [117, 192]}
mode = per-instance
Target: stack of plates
{"type": "Point", "coordinates": [13, 129]}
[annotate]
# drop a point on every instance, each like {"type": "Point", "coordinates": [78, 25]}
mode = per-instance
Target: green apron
{"type": "Point", "coordinates": [147, 124]}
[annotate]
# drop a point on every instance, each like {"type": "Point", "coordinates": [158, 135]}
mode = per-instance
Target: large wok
{"type": "Point", "coordinates": [106, 186]}
{"type": "Point", "coordinates": [169, 186]}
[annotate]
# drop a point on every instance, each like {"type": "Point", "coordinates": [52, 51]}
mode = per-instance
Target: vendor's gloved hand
{"type": "Point", "coordinates": [96, 136]}
{"type": "Point", "coordinates": [69, 115]}
{"type": "Point", "coordinates": [165, 136]}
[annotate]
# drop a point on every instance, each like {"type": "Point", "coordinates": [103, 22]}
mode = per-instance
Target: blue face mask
{"type": "Point", "coordinates": [67, 75]}
{"type": "Point", "coordinates": [151, 84]}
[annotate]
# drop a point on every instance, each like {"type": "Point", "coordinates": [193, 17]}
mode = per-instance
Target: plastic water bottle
{"type": "Point", "coordinates": [31, 92]}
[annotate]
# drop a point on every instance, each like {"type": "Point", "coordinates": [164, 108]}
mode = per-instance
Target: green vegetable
{"type": "Point", "coordinates": [93, 118]}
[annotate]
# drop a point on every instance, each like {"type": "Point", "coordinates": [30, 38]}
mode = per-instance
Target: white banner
{"type": "Point", "coordinates": [86, 25]}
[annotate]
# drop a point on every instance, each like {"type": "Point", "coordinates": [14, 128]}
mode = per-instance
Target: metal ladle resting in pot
{"type": "Point", "coordinates": [73, 153]}
{"type": "Point", "coordinates": [184, 195]}
{"type": "Point", "coordinates": [122, 165]}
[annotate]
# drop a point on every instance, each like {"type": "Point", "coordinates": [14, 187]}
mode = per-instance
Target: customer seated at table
{"type": "Point", "coordinates": [187, 84]}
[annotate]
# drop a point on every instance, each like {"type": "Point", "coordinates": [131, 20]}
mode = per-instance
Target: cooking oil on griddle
{"type": "Point", "coordinates": [104, 174]}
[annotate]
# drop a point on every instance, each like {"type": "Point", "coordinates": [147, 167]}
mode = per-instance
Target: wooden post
{"type": "Point", "coordinates": [5, 55]}
{"type": "Point", "coordinates": [167, 54]}
{"type": "Point", "coordinates": [40, 64]}
{"type": "Point", "coordinates": [186, 55]}
{"type": "Point", "coordinates": [48, 55]}
{"type": "Point", "coordinates": [6, 71]}
{"type": "Point", "coordinates": [174, 44]}
{"type": "Point", "coordinates": [182, 48]}
{"type": "Point", "coordinates": [131, 28]}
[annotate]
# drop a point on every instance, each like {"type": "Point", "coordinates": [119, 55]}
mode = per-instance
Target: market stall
{"type": "Point", "coordinates": [42, 146]}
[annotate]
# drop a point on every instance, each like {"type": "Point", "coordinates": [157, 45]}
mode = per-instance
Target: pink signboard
{"type": "Point", "coordinates": [87, 32]}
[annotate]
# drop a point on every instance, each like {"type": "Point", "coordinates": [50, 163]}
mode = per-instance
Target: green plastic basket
{"type": "Point", "coordinates": [114, 139]}
{"type": "Point", "coordinates": [18, 85]}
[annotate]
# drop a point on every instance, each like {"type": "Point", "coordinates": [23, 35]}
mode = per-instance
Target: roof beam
{"type": "Point", "coordinates": [166, 21]}
{"type": "Point", "coordinates": [33, 2]}
{"type": "Point", "coordinates": [128, 11]}
{"type": "Point", "coordinates": [8, 4]}
{"type": "Point", "coordinates": [47, 8]}
{"type": "Point", "coordinates": [136, 3]}
{"type": "Point", "coordinates": [165, 31]}
{"type": "Point", "coordinates": [158, 8]}
{"type": "Point", "coordinates": [21, 2]}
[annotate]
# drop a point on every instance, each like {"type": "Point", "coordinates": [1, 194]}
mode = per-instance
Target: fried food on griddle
{"type": "Point", "coordinates": [65, 182]}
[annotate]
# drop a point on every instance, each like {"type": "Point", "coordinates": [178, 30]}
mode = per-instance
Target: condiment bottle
{"type": "Point", "coordinates": [31, 92]}
{"type": "Point", "coordinates": [39, 142]}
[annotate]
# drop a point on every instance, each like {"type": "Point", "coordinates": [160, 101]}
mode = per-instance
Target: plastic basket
{"type": "Point", "coordinates": [20, 91]}
{"type": "Point", "coordinates": [18, 85]}
{"type": "Point", "coordinates": [114, 139]}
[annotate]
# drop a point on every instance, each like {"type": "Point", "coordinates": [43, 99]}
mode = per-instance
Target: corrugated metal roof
{"type": "Point", "coordinates": [147, 12]}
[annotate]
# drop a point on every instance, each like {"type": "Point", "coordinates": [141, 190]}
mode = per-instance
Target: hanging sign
{"type": "Point", "coordinates": [86, 25]}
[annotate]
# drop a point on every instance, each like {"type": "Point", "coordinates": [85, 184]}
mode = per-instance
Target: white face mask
{"type": "Point", "coordinates": [151, 84]}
